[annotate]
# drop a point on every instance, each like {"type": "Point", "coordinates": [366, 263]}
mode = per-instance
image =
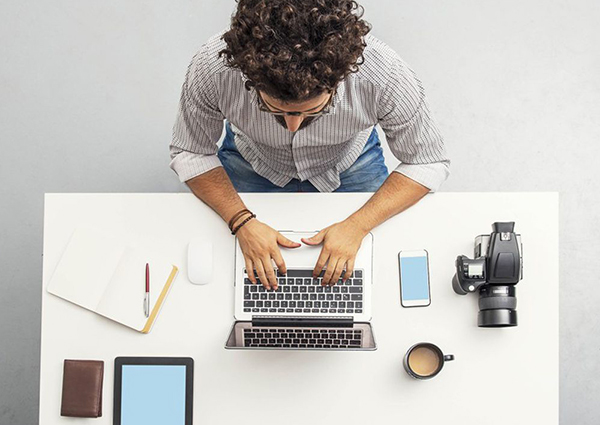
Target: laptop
{"type": "Point", "coordinates": [301, 313]}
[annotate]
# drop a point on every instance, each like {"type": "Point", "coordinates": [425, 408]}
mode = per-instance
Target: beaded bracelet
{"type": "Point", "coordinates": [246, 220]}
{"type": "Point", "coordinates": [236, 217]}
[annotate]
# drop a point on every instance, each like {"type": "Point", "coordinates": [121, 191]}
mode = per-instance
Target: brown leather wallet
{"type": "Point", "coordinates": [82, 388]}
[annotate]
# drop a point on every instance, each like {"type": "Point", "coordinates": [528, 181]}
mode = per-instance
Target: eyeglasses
{"type": "Point", "coordinates": [264, 106]}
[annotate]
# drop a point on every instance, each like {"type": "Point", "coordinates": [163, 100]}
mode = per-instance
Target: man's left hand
{"type": "Point", "coordinates": [341, 242]}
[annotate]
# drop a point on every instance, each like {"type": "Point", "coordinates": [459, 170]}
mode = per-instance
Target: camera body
{"type": "Point", "coordinates": [495, 270]}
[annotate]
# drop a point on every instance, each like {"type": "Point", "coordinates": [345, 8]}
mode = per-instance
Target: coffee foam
{"type": "Point", "coordinates": [424, 361]}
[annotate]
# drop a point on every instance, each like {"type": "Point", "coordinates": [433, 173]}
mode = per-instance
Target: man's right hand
{"type": "Point", "coordinates": [260, 243]}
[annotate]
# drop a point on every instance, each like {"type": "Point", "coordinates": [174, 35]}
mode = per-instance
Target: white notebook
{"type": "Point", "coordinates": [101, 274]}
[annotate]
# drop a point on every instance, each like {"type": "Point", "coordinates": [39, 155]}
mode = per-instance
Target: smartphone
{"type": "Point", "coordinates": [414, 278]}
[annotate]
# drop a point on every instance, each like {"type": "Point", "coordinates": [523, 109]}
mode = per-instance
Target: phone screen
{"type": "Point", "coordinates": [414, 278]}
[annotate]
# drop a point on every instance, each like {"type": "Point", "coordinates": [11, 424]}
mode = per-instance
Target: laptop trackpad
{"type": "Point", "coordinates": [306, 256]}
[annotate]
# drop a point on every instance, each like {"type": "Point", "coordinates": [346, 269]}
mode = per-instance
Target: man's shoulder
{"type": "Point", "coordinates": [379, 61]}
{"type": "Point", "coordinates": [207, 57]}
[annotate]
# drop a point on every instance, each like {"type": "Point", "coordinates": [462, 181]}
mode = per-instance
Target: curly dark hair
{"type": "Point", "coordinates": [294, 50]}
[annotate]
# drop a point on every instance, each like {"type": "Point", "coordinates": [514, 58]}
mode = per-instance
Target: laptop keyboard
{"type": "Point", "coordinates": [298, 292]}
{"type": "Point", "coordinates": [302, 337]}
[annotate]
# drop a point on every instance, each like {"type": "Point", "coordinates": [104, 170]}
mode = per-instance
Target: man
{"type": "Point", "coordinates": [301, 86]}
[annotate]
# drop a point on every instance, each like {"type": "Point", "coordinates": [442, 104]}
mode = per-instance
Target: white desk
{"type": "Point", "coordinates": [500, 376]}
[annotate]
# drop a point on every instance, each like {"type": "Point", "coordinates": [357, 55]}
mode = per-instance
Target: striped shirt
{"type": "Point", "coordinates": [384, 90]}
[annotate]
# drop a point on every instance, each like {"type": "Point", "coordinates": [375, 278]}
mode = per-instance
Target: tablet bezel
{"type": "Point", "coordinates": [188, 362]}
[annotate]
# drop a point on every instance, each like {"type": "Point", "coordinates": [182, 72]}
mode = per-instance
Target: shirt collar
{"type": "Point", "coordinates": [337, 97]}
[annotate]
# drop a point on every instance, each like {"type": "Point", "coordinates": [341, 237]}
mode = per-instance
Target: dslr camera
{"type": "Point", "coordinates": [496, 269]}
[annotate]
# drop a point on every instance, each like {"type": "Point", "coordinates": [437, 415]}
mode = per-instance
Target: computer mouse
{"type": "Point", "coordinates": [200, 261]}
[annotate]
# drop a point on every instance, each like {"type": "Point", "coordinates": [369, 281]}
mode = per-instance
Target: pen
{"type": "Point", "coordinates": [147, 296]}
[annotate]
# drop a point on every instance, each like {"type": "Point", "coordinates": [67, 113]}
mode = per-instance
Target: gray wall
{"type": "Point", "coordinates": [88, 92]}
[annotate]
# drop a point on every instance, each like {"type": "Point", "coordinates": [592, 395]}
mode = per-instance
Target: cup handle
{"type": "Point", "coordinates": [448, 357]}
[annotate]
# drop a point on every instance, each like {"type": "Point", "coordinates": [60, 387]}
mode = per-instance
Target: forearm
{"type": "Point", "coordinates": [215, 189]}
{"type": "Point", "coordinates": [396, 194]}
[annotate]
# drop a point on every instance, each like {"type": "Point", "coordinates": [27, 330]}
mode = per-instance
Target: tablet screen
{"type": "Point", "coordinates": [153, 394]}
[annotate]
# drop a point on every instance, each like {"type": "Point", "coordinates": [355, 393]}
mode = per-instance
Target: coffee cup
{"type": "Point", "coordinates": [425, 360]}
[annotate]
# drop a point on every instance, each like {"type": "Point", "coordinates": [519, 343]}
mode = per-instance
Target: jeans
{"type": "Point", "coordinates": [367, 173]}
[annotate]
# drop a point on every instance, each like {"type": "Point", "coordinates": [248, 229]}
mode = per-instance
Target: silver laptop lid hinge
{"type": "Point", "coordinates": [341, 322]}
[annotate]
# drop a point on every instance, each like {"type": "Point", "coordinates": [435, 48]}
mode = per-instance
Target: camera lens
{"type": "Point", "coordinates": [497, 306]}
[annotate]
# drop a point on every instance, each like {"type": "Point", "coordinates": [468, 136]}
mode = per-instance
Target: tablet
{"type": "Point", "coordinates": [153, 390]}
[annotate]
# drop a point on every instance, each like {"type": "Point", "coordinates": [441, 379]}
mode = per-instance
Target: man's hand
{"type": "Point", "coordinates": [259, 243]}
{"type": "Point", "coordinates": [341, 242]}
